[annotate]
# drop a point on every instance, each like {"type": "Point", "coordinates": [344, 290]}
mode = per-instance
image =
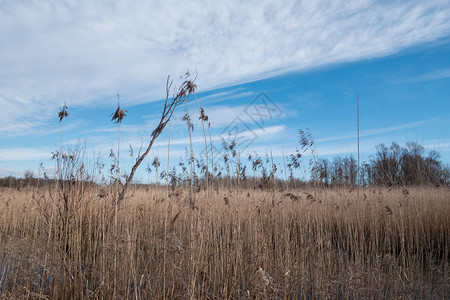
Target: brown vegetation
{"type": "Point", "coordinates": [327, 243]}
{"type": "Point", "coordinates": [220, 234]}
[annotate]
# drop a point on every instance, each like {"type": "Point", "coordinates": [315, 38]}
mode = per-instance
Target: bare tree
{"type": "Point", "coordinates": [174, 97]}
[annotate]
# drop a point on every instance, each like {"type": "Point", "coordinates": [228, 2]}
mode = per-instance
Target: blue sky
{"type": "Point", "coordinates": [310, 59]}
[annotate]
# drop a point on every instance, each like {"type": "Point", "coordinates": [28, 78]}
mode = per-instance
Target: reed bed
{"type": "Point", "coordinates": [256, 244]}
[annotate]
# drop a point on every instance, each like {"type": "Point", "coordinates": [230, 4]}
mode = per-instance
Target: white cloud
{"type": "Point", "coordinates": [436, 75]}
{"type": "Point", "coordinates": [4, 172]}
{"type": "Point", "coordinates": [378, 131]}
{"type": "Point", "coordinates": [22, 154]}
{"type": "Point", "coordinates": [225, 95]}
{"type": "Point", "coordinates": [86, 51]}
{"type": "Point", "coordinates": [260, 133]}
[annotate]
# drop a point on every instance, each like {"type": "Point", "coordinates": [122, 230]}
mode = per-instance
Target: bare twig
{"type": "Point", "coordinates": [170, 104]}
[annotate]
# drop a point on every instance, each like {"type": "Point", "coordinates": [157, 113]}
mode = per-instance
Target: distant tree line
{"type": "Point", "coordinates": [393, 165]}
{"type": "Point", "coordinates": [28, 180]}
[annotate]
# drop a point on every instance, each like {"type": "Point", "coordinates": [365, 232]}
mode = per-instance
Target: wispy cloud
{"type": "Point", "coordinates": [225, 95]}
{"type": "Point", "coordinates": [86, 51]}
{"type": "Point", "coordinates": [436, 75]}
{"type": "Point", "coordinates": [102, 144]}
{"type": "Point", "coordinates": [260, 133]}
{"type": "Point", "coordinates": [21, 154]}
{"type": "Point", "coordinates": [11, 172]}
{"type": "Point", "coordinates": [377, 131]}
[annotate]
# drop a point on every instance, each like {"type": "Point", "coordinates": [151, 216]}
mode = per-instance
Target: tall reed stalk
{"type": "Point", "coordinates": [392, 244]}
{"type": "Point", "coordinates": [168, 165]}
{"type": "Point", "coordinates": [204, 118]}
{"type": "Point", "coordinates": [190, 126]}
{"type": "Point", "coordinates": [62, 114]}
{"type": "Point", "coordinates": [117, 118]}
{"type": "Point", "coordinates": [212, 155]}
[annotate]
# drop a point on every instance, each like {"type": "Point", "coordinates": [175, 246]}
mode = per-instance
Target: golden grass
{"type": "Point", "coordinates": [325, 243]}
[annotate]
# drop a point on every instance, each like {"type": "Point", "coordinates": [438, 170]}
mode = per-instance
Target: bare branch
{"type": "Point", "coordinates": [180, 95]}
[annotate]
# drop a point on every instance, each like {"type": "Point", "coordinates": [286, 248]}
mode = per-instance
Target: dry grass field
{"type": "Point", "coordinates": [240, 244]}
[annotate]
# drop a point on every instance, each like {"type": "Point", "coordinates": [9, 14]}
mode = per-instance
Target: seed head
{"type": "Point", "coordinates": [63, 113]}
{"type": "Point", "coordinates": [203, 116]}
{"type": "Point", "coordinates": [118, 115]}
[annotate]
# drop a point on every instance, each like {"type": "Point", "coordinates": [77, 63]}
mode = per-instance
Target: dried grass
{"type": "Point", "coordinates": [384, 244]}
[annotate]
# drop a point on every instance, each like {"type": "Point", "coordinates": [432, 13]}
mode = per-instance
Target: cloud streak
{"type": "Point", "coordinates": [21, 154]}
{"type": "Point", "coordinates": [377, 131]}
{"type": "Point", "coordinates": [86, 51]}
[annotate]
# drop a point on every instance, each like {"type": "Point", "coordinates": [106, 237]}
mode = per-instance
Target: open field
{"type": "Point", "coordinates": [225, 150]}
{"type": "Point", "coordinates": [238, 244]}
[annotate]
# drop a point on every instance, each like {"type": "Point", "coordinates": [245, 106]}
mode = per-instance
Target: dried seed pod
{"type": "Point", "coordinates": [63, 113]}
{"type": "Point", "coordinates": [118, 115]}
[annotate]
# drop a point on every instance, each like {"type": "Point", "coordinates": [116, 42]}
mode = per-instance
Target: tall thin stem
{"type": "Point", "coordinates": [118, 156]}
{"type": "Point", "coordinates": [62, 115]}
{"type": "Point", "coordinates": [118, 115]}
{"type": "Point", "coordinates": [272, 172]}
{"type": "Point", "coordinates": [60, 151]}
{"type": "Point", "coordinates": [238, 174]}
{"type": "Point", "coordinates": [212, 156]}
{"type": "Point", "coordinates": [116, 211]}
{"type": "Point", "coordinates": [206, 143]}
{"type": "Point", "coordinates": [357, 113]}
{"type": "Point", "coordinates": [191, 158]}
{"type": "Point", "coordinates": [165, 218]}
{"type": "Point", "coordinates": [284, 163]}
{"type": "Point", "coordinates": [168, 165]}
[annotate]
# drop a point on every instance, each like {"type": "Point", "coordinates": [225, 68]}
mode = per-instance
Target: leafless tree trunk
{"type": "Point", "coordinates": [179, 96]}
